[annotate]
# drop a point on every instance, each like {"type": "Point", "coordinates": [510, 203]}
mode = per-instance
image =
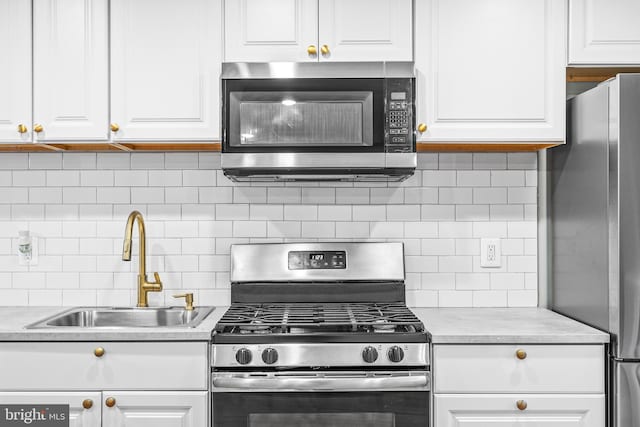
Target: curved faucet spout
{"type": "Point", "coordinates": [144, 286]}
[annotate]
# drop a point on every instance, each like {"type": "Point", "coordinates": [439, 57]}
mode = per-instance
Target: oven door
{"type": "Point", "coordinates": [321, 399]}
{"type": "Point", "coordinates": [304, 116]}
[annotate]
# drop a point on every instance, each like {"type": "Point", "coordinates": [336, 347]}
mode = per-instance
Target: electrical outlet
{"type": "Point", "coordinates": [490, 255]}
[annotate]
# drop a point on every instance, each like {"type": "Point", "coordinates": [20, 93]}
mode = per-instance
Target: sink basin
{"type": "Point", "coordinates": [125, 317]}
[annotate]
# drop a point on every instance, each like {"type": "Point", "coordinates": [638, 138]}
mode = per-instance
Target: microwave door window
{"type": "Point", "coordinates": [303, 119]}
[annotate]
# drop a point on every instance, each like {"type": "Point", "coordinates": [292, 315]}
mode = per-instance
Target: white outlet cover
{"type": "Point", "coordinates": [490, 253]}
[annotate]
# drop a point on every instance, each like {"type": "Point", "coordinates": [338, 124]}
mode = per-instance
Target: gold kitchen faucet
{"type": "Point", "coordinates": [143, 285]}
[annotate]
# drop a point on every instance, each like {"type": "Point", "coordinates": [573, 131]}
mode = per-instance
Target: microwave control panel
{"type": "Point", "coordinates": [399, 125]}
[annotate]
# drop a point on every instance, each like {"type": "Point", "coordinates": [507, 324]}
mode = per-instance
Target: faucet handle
{"type": "Point", "coordinates": [157, 277]}
{"type": "Point", "coordinates": [188, 299]}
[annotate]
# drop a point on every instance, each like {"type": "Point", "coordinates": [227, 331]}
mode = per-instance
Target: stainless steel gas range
{"type": "Point", "coordinates": [319, 335]}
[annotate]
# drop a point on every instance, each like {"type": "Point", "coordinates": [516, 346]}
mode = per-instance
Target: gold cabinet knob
{"type": "Point", "coordinates": [422, 128]}
{"type": "Point", "coordinates": [521, 404]}
{"type": "Point", "coordinates": [325, 49]}
{"type": "Point", "coordinates": [114, 127]}
{"type": "Point", "coordinates": [110, 402]}
{"type": "Point", "coordinates": [38, 128]}
{"type": "Point", "coordinates": [99, 352]}
{"type": "Point", "coordinates": [312, 50]}
{"type": "Point", "coordinates": [521, 354]}
{"type": "Point", "coordinates": [87, 403]}
{"type": "Point", "coordinates": [22, 128]}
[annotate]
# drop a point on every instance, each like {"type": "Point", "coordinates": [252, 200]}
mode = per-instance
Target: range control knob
{"type": "Point", "coordinates": [243, 356]}
{"type": "Point", "coordinates": [395, 354]}
{"type": "Point", "coordinates": [369, 354]}
{"type": "Point", "coordinates": [269, 356]}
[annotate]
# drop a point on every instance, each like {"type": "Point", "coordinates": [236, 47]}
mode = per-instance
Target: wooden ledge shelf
{"type": "Point", "coordinates": [596, 75]}
{"type": "Point", "coordinates": [111, 147]}
{"type": "Point", "coordinates": [423, 147]}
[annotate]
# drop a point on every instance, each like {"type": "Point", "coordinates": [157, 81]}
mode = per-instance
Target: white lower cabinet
{"type": "Point", "coordinates": [84, 407]}
{"type": "Point", "coordinates": [513, 385]}
{"type": "Point", "coordinates": [110, 384]}
{"type": "Point", "coordinates": [541, 410]}
{"type": "Point", "coordinates": [166, 409]}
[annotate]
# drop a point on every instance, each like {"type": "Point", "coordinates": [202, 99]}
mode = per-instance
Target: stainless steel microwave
{"type": "Point", "coordinates": [318, 121]}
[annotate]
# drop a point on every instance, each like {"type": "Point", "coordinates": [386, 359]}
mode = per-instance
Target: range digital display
{"type": "Point", "coordinates": [327, 260]}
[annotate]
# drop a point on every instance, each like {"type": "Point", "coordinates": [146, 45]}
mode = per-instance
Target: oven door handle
{"type": "Point", "coordinates": [321, 382]}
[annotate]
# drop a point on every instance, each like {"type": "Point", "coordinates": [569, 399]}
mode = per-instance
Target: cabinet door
{"type": "Point", "coordinates": [147, 409]}
{"type": "Point", "coordinates": [366, 30]}
{"type": "Point", "coordinates": [79, 416]}
{"type": "Point", "coordinates": [71, 66]}
{"type": "Point", "coordinates": [491, 70]}
{"type": "Point", "coordinates": [165, 69]}
{"type": "Point", "coordinates": [15, 71]}
{"type": "Point", "coordinates": [270, 30]}
{"type": "Point", "coordinates": [604, 32]}
{"type": "Point", "coordinates": [542, 410]}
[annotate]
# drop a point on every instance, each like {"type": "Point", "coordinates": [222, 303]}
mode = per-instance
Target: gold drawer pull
{"type": "Point", "coordinates": [521, 354]}
{"type": "Point", "coordinates": [99, 352]}
{"type": "Point", "coordinates": [325, 49]}
{"type": "Point", "coordinates": [22, 128]}
{"type": "Point", "coordinates": [521, 404]}
{"type": "Point", "coordinates": [110, 402]}
{"type": "Point", "coordinates": [87, 403]}
{"type": "Point", "coordinates": [312, 50]}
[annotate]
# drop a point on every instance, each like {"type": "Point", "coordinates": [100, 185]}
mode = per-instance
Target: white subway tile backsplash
{"type": "Point", "coordinates": [403, 213]}
{"type": "Point", "coordinates": [325, 196]}
{"type": "Point", "coordinates": [284, 195]}
{"type": "Point", "coordinates": [353, 196]}
{"type": "Point", "coordinates": [455, 161]}
{"type": "Point", "coordinates": [439, 178]}
{"type": "Point", "coordinates": [29, 178]}
{"type": "Point", "coordinates": [301, 213]}
{"type": "Point", "coordinates": [77, 195]}
{"type": "Point", "coordinates": [369, 213]}
{"type": "Point", "coordinates": [14, 161]}
{"type": "Point", "coordinates": [79, 160]}
{"type": "Point", "coordinates": [523, 195]}
{"type": "Point", "coordinates": [39, 161]}
{"type": "Point", "coordinates": [97, 178]}
{"type": "Point", "coordinates": [473, 178]}
{"type": "Point", "coordinates": [455, 195]}
{"type": "Point", "coordinates": [63, 178]}
{"type": "Point", "coordinates": [113, 161]}
{"type": "Point", "coordinates": [181, 160]}
{"type": "Point", "coordinates": [489, 161]}
{"type": "Point", "coordinates": [335, 213]}
{"type": "Point", "coordinates": [45, 195]}
{"type": "Point", "coordinates": [77, 203]}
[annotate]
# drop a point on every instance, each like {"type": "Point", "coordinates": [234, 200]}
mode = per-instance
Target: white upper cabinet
{"type": "Point", "coordinates": [491, 70]}
{"type": "Point", "coordinates": [270, 30]}
{"type": "Point", "coordinates": [604, 32]}
{"type": "Point", "coordinates": [165, 70]}
{"type": "Point", "coordinates": [318, 30]}
{"type": "Point", "coordinates": [70, 62]}
{"type": "Point", "coordinates": [15, 71]}
{"type": "Point", "coordinates": [365, 30]}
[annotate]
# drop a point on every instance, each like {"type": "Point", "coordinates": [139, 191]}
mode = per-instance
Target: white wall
{"type": "Point", "coordinates": [78, 203]}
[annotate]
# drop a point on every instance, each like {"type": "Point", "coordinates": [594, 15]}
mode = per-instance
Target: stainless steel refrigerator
{"type": "Point", "coordinates": [594, 210]}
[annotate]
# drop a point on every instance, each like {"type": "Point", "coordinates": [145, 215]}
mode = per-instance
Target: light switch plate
{"type": "Point", "coordinates": [490, 254]}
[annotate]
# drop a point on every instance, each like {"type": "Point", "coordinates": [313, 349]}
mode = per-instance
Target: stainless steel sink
{"type": "Point", "coordinates": [125, 317]}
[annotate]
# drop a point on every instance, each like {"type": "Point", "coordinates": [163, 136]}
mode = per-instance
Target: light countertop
{"type": "Point", "coordinates": [505, 325]}
{"type": "Point", "coordinates": [446, 325]}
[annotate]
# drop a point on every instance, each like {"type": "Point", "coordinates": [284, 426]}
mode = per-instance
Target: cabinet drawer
{"type": "Point", "coordinates": [124, 365]}
{"type": "Point", "coordinates": [498, 369]}
{"type": "Point", "coordinates": [478, 410]}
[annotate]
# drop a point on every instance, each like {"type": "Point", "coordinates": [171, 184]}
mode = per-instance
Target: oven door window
{"type": "Point", "coordinates": [301, 119]}
{"type": "Point", "coordinates": [321, 409]}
